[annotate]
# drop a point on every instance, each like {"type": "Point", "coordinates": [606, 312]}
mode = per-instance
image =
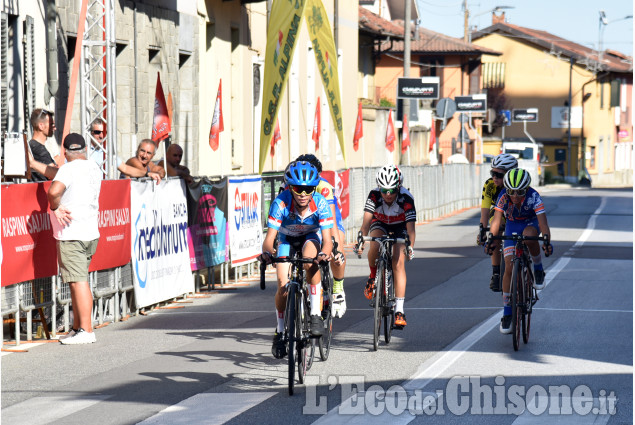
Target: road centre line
{"type": "Point", "coordinates": [440, 362]}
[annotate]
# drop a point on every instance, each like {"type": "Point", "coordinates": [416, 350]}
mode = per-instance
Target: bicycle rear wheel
{"type": "Point", "coordinates": [388, 309]}
{"type": "Point", "coordinates": [379, 290]}
{"type": "Point", "coordinates": [289, 318]}
{"type": "Point", "coordinates": [324, 343]}
{"type": "Point", "coordinates": [516, 286]}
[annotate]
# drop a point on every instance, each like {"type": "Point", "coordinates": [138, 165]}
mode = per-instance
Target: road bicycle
{"type": "Point", "coordinates": [324, 342]}
{"type": "Point", "coordinates": [523, 294]}
{"type": "Point", "coordinates": [383, 301]}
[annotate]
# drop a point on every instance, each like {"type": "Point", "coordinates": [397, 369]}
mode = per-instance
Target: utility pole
{"type": "Point", "coordinates": [466, 21]}
{"type": "Point", "coordinates": [406, 62]}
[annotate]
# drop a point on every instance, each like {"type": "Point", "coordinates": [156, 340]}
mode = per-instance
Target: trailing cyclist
{"type": "Point", "coordinates": [338, 266]}
{"type": "Point", "coordinates": [524, 211]}
{"type": "Point", "coordinates": [390, 208]}
{"type": "Point", "coordinates": [298, 216]}
{"type": "Point", "coordinates": [491, 190]}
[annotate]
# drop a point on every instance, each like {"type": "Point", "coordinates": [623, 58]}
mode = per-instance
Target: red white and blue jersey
{"type": "Point", "coordinates": [530, 208]}
{"type": "Point", "coordinates": [284, 217]}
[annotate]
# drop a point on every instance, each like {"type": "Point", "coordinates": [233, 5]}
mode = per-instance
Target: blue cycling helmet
{"type": "Point", "coordinates": [302, 173]}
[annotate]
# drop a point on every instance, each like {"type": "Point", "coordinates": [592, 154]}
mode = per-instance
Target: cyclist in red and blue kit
{"type": "Point", "coordinates": [524, 213]}
{"type": "Point", "coordinates": [298, 215]}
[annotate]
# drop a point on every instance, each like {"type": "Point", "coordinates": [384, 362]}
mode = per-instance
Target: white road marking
{"type": "Point", "coordinates": [44, 410]}
{"type": "Point", "coordinates": [208, 408]}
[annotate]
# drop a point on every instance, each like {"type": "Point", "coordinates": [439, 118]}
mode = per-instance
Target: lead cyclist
{"type": "Point", "coordinates": [390, 208]}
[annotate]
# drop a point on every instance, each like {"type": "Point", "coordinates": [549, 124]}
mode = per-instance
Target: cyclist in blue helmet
{"type": "Point", "coordinates": [298, 216]}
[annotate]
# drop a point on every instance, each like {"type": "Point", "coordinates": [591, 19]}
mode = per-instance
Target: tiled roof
{"type": "Point", "coordinates": [584, 56]}
{"type": "Point", "coordinates": [429, 41]}
{"type": "Point", "coordinates": [376, 25]}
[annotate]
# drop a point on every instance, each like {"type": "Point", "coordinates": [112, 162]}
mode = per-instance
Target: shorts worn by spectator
{"type": "Point", "coordinates": [74, 201]}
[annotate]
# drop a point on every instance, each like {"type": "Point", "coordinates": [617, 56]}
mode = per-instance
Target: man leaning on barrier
{"type": "Point", "coordinates": [74, 201]}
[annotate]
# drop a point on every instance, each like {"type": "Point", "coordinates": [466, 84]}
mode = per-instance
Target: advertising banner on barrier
{"type": "Point", "coordinates": [28, 247]}
{"type": "Point", "coordinates": [207, 231]}
{"type": "Point", "coordinates": [113, 249]}
{"type": "Point", "coordinates": [340, 182]}
{"type": "Point", "coordinates": [160, 253]}
{"type": "Point", "coordinates": [245, 225]}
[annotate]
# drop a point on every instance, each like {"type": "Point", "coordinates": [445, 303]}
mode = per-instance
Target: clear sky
{"type": "Point", "coordinates": [574, 20]}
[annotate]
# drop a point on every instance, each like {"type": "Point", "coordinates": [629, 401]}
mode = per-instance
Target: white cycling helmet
{"type": "Point", "coordinates": [517, 179]}
{"type": "Point", "coordinates": [505, 162]}
{"type": "Point", "coordinates": [388, 177]}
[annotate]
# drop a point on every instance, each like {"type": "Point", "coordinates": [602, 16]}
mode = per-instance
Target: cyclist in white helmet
{"type": "Point", "coordinates": [390, 208]}
{"type": "Point", "coordinates": [491, 191]}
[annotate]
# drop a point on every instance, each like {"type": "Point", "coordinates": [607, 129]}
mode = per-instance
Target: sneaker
{"type": "Point", "coordinates": [506, 324]}
{"type": "Point", "coordinates": [70, 333]}
{"type": "Point", "coordinates": [278, 348]}
{"type": "Point", "coordinates": [339, 304]}
{"type": "Point", "coordinates": [495, 283]}
{"type": "Point", "coordinates": [80, 337]}
{"type": "Point", "coordinates": [400, 320]}
{"type": "Point", "coordinates": [370, 288]}
{"type": "Point", "coordinates": [539, 279]}
{"type": "Point", "coordinates": [316, 326]}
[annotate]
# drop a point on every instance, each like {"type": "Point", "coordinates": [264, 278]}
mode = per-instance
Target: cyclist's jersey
{"type": "Point", "coordinates": [401, 211]}
{"type": "Point", "coordinates": [531, 207]}
{"type": "Point", "coordinates": [490, 194]}
{"type": "Point", "coordinates": [325, 189]}
{"type": "Point", "coordinates": [284, 218]}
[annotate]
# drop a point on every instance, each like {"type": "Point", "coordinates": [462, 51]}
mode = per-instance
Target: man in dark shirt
{"type": "Point", "coordinates": [43, 125]}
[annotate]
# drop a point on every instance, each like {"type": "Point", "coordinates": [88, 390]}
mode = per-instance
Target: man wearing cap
{"type": "Point", "coordinates": [43, 126]}
{"type": "Point", "coordinates": [74, 200]}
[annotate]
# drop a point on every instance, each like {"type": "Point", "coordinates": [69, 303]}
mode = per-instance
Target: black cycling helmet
{"type": "Point", "coordinates": [311, 159]}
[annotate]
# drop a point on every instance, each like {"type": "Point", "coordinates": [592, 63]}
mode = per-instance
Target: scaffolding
{"type": "Point", "coordinates": [97, 82]}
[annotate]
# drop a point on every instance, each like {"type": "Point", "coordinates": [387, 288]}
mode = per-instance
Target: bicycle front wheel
{"type": "Point", "coordinates": [516, 287]}
{"type": "Point", "coordinates": [324, 343]}
{"type": "Point", "coordinates": [303, 342]}
{"type": "Point", "coordinates": [289, 318]}
{"type": "Point", "coordinates": [387, 298]}
{"type": "Point", "coordinates": [529, 298]}
{"type": "Point", "coordinates": [379, 290]}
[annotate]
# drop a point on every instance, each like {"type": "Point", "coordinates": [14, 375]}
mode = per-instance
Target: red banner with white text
{"type": "Point", "coordinates": [339, 181]}
{"type": "Point", "coordinates": [28, 247]}
{"type": "Point", "coordinates": [113, 249]}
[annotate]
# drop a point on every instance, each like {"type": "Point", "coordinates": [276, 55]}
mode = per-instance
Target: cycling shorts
{"type": "Point", "coordinates": [398, 230]}
{"type": "Point", "coordinates": [516, 227]}
{"type": "Point", "coordinates": [287, 245]}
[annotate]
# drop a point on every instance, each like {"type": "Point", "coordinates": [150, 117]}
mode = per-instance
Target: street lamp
{"type": "Point", "coordinates": [467, 34]}
{"type": "Point", "coordinates": [603, 24]}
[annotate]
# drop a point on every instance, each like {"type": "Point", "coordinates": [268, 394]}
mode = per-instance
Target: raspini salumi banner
{"type": "Point", "coordinates": [28, 247]}
{"type": "Point", "coordinates": [245, 228]}
{"type": "Point", "coordinates": [160, 253]}
{"type": "Point", "coordinates": [113, 249]}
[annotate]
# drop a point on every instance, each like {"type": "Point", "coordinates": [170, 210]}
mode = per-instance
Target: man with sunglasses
{"type": "Point", "coordinates": [491, 190]}
{"type": "Point", "coordinates": [98, 144]}
{"type": "Point", "coordinates": [390, 208]}
{"type": "Point", "coordinates": [43, 125]}
{"type": "Point", "coordinates": [298, 216]}
{"type": "Point", "coordinates": [524, 212]}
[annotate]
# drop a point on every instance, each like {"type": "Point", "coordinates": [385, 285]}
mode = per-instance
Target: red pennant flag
{"type": "Point", "coordinates": [433, 137]}
{"type": "Point", "coordinates": [275, 138]}
{"type": "Point", "coordinates": [405, 142]}
{"type": "Point", "coordinates": [217, 119]}
{"type": "Point", "coordinates": [359, 128]}
{"type": "Point", "coordinates": [161, 127]}
{"type": "Point", "coordinates": [317, 126]}
{"type": "Point", "coordinates": [390, 133]}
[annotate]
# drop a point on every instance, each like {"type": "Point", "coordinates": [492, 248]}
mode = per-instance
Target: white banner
{"type": "Point", "coordinates": [160, 253]}
{"type": "Point", "coordinates": [560, 117]}
{"type": "Point", "coordinates": [245, 224]}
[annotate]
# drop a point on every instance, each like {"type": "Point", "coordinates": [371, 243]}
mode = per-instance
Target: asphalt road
{"type": "Point", "coordinates": [210, 362]}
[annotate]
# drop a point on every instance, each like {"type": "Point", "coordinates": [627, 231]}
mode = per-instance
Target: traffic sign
{"type": "Point", "coordinates": [528, 115]}
{"type": "Point", "coordinates": [473, 103]}
{"type": "Point", "coordinates": [446, 108]}
{"type": "Point", "coordinates": [418, 88]}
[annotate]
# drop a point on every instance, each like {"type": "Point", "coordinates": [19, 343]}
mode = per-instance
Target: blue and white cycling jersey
{"type": "Point", "coordinates": [284, 218]}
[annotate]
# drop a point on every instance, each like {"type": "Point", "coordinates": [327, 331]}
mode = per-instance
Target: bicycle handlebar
{"type": "Point", "coordinates": [518, 238]}
{"type": "Point", "coordinates": [384, 238]}
{"type": "Point", "coordinates": [263, 266]}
